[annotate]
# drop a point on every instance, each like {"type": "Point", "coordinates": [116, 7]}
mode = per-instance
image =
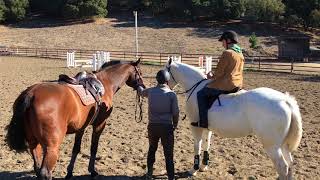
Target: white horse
{"type": "Point", "coordinates": [272, 116]}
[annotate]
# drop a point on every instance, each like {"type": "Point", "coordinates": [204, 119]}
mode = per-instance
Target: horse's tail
{"type": "Point", "coordinates": [295, 131]}
{"type": "Point", "coordinates": [16, 138]}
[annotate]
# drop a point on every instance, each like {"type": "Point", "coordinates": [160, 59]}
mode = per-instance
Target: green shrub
{"type": "Point", "coordinates": [264, 10]}
{"type": "Point", "coordinates": [253, 40]}
{"type": "Point", "coordinates": [315, 18]}
{"type": "Point", "coordinates": [91, 8]}
{"type": "Point", "coordinates": [16, 9]}
{"type": "Point", "coordinates": [70, 11]}
{"type": "Point", "coordinates": [85, 8]}
{"type": "Point", "coordinates": [2, 11]}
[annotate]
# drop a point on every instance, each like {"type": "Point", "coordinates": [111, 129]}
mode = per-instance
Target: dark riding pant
{"type": "Point", "coordinates": [204, 103]}
{"type": "Point", "coordinates": [165, 133]}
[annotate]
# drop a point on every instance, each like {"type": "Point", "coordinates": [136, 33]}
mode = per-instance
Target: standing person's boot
{"type": "Point", "coordinates": [149, 173]}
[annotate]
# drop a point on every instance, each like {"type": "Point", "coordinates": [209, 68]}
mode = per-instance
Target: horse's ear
{"type": "Point", "coordinates": [137, 62]}
{"type": "Point", "coordinates": [170, 61]}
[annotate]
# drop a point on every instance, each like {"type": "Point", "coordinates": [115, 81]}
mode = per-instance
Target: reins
{"type": "Point", "coordinates": [192, 89]}
{"type": "Point", "coordinates": [187, 91]}
{"type": "Point", "coordinates": [139, 99]}
{"type": "Point", "coordinates": [139, 103]}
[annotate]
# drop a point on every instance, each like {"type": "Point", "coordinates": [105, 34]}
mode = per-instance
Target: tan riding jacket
{"type": "Point", "coordinates": [229, 72]}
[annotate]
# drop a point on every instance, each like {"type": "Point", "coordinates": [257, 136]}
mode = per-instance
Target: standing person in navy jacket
{"type": "Point", "coordinates": [163, 114]}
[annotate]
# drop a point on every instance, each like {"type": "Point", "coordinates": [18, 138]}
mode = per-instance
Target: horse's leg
{"type": "Point", "coordinates": [50, 144]}
{"type": "Point", "coordinates": [288, 157]}
{"type": "Point", "coordinates": [96, 132]}
{"type": "Point", "coordinates": [36, 152]}
{"type": "Point", "coordinates": [50, 157]}
{"type": "Point", "coordinates": [75, 152]}
{"type": "Point", "coordinates": [205, 160]}
{"type": "Point", "coordinates": [197, 135]}
{"type": "Point", "coordinates": [275, 153]}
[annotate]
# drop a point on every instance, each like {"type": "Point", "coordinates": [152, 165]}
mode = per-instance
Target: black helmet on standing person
{"type": "Point", "coordinates": [231, 35]}
{"type": "Point", "coordinates": [163, 76]}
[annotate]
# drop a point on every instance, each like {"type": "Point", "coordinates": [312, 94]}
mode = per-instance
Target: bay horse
{"type": "Point", "coordinates": [44, 113]}
{"type": "Point", "coordinates": [272, 116]}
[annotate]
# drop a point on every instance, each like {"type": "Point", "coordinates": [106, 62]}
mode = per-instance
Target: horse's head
{"type": "Point", "coordinates": [120, 73]}
{"type": "Point", "coordinates": [183, 74]}
{"type": "Point", "coordinates": [135, 76]}
{"type": "Point", "coordinates": [171, 68]}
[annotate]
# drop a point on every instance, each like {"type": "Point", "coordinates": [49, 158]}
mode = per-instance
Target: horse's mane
{"type": "Point", "coordinates": [111, 63]}
{"type": "Point", "coordinates": [196, 72]}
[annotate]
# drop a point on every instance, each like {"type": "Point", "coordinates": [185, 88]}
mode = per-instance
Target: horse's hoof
{"type": "Point", "coordinates": [193, 172]}
{"type": "Point", "coordinates": [203, 168]}
{"type": "Point", "coordinates": [68, 176]}
{"type": "Point", "coordinates": [94, 174]}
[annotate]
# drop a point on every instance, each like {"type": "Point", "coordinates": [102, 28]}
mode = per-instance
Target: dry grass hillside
{"type": "Point", "coordinates": [117, 33]}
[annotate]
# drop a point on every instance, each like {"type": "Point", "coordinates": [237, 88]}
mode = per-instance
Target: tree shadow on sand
{"type": "Point", "coordinates": [29, 175]}
{"type": "Point", "coordinates": [312, 78]}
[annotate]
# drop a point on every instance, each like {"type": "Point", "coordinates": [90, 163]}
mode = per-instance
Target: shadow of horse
{"type": "Point", "coordinates": [178, 175]}
{"type": "Point", "coordinates": [7, 175]}
{"type": "Point", "coordinates": [29, 175]}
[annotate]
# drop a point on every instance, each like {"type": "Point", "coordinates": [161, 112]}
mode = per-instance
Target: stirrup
{"type": "Point", "coordinates": [197, 124]}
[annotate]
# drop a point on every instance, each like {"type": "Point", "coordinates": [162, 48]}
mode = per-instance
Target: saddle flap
{"type": "Point", "coordinates": [85, 96]}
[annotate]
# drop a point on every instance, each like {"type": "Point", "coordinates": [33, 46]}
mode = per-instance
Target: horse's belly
{"type": "Point", "coordinates": [228, 123]}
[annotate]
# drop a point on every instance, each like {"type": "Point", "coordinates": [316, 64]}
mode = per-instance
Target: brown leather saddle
{"type": "Point", "coordinates": [88, 81]}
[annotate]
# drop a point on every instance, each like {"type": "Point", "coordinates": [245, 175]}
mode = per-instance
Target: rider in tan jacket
{"type": "Point", "coordinates": [227, 78]}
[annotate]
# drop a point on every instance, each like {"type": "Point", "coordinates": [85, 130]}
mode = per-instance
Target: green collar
{"type": "Point", "coordinates": [236, 48]}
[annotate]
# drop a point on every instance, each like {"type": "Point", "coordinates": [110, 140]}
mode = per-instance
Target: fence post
{"type": "Point", "coordinates": [124, 56]}
{"type": "Point", "coordinates": [181, 57]}
{"type": "Point", "coordinates": [46, 53]}
{"type": "Point", "coordinates": [292, 60]}
{"type": "Point", "coordinates": [80, 53]}
{"type": "Point", "coordinates": [160, 58]}
{"type": "Point", "coordinates": [259, 63]}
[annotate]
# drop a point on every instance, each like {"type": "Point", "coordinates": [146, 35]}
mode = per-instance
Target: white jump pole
{"type": "Point", "coordinates": [177, 59]}
{"type": "Point", "coordinates": [73, 59]}
{"type": "Point", "coordinates": [208, 64]}
{"type": "Point", "coordinates": [94, 62]}
{"type": "Point", "coordinates": [70, 59]}
{"type": "Point", "coordinates": [200, 62]}
{"type": "Point", "coordinates": [98, 60]}
{"type": "Point", "coordinates": [108, 57]}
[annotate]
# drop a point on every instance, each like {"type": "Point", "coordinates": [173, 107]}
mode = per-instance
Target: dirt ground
{"type": "Point", "coordinates": [123, 144]}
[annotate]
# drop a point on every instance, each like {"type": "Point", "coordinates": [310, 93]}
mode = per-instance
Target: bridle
{"type": "Point", "coordinates": [138, 76]}
{"type": "Point", "coordinates": [187, 91]}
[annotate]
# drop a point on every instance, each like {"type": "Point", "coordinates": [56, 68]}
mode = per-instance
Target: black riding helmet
{"type": "Point", "coordinates": [163, 76]}
{"type": "Point", "coordinates": [233, 36]}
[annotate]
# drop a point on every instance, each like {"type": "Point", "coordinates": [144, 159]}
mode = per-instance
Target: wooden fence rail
{"type": "Point", "coordinates": [265, 63]}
